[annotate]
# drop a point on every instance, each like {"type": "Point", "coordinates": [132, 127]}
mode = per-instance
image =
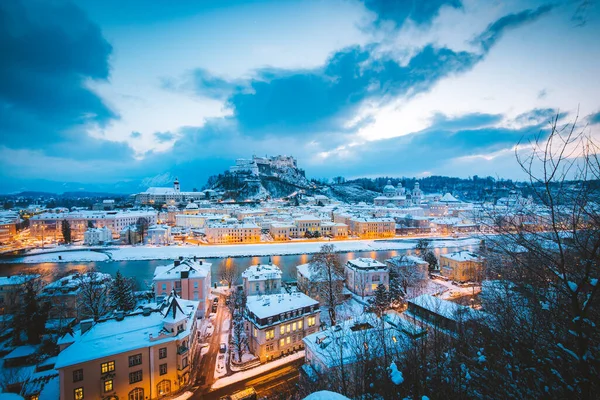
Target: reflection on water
{"type": "Point", "coordinates": [142, 271]}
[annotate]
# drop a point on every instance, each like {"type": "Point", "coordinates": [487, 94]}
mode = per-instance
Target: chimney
{"type": "Point", "coordinates": [146, 311]}
{"type": "Point", "coordinates": [180, 258]}
{"type": "Point", "coordinates": [119, 315]}
{"type": "Point", "coordinates": [85, 325]}
{"type": "Point", "coordinates": [177, 262]}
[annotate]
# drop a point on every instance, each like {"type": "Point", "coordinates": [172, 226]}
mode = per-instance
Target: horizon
{"type": "Point", "coordinates": [93, 98]}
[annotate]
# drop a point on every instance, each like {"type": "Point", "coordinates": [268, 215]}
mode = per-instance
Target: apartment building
{"type": "Point", "coordinates": [307, 225]}
{"type": "Point", "coordinates": [262, 279]}
{"type": "Point", "coordinates": [95, 236]}
{"type": "Point", "coordinates": [311, 282]}
{"type": "Point", "coordinates": [145, 355]}
{"type": "Point", "coordinates": [369, 228]}
{"type": "Point", "coordinates": [461, 266]}
{"type": "Point", "coordinates": [189, 278]}
{"type": "Point", "coordinates": [277, 323]}
{"type": "Point", "coordinates": [363, 275]}
{"type": "Point", "coordinates": [233, 233]}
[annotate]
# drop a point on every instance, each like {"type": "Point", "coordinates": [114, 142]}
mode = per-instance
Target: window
{"type": "Point", "coordinates": [164, 287]}
{"type": "Point", "coordinates": [195, 284]}
{"type": "Point", "coordinates": [281, 329]}
{"type": "Point", "coordinates": [107, 367]}
{"type": "Point", "coordinates": [108, 385]}
{"type": "Point", "coordinates": [78, 393]}
{"type": "Point", "coordinates": [281, 342]}
{"type": "Point", "coordinates": [255, 332]}
{"type": "Point", "coordinates": [270, 334]}
{"type": "Point", "coordinates": [135, 360]}
{"type": "Point", "coordinates": [312, 321]}
{"type": "Point", "coordinates": [288, 328]}
{"type": "Point", "coordinates": [136, 394]}
{"type": "Point", "coordinates": [77, 375]}
{"type": "Point", "coordinates": [162, 352]}
{"type": "Point", "coordinates": [135, 376]}
{"type": "Point", "coordinates": [163, 369]}
{"type": "Point", "coordinates": [257, 287]}
{"type": "Point", "coordinates": [294, 326]}
{"type": "Point", "coordinates": [288, 340]}
{"type": "Point", "coordinates": [300, 324]}
{"type": "Point", "coordinates": [184, 362]}
{"type": "Point", "coordinates": [163, 387]}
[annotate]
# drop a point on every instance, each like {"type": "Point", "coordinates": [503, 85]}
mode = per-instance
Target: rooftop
{"type": "Point", "coordinates": [312, 275]}
{"type": "Point", "coordinates": [190, 267]}
{"type": "Point", "coordinates": [366, 263]}
{"type": "Point", "coordinates": [270, 305]}
{"type": "Point", "coordinates": [463, 255]}
{"type": "Point", "coordinates": [261, 272]}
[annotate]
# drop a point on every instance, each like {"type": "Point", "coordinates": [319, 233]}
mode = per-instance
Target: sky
{"type": "Point", "coordinates": [118, 96]}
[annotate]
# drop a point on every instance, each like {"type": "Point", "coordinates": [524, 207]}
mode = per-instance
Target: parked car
{"type": "Point", "coordinates": [222, 348]}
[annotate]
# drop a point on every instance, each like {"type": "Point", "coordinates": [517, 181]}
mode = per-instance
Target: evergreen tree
{"type": "Point", "coordinates": [380, 301]}
{"type": "Point", "coordinates": [66, 231]}
{"type": "Point", "coordinates": [121, 292]}
{"type": "Point", "coordinates": [431, 260]}
{"type": "Point", "coordinates": [32, 316]}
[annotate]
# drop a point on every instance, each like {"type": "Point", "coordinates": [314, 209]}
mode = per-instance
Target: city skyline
{"type": "Point", "coordinates": [95, 94]}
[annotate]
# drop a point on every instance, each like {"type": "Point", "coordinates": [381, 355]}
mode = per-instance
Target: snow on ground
{"type": "Point", "coordinates": [147, 252]}
{"type": "Point", "coordinates": [240, 376]}
{"type": "Point", "coordinates": [454, 290]}
{"type": "Point", "coordinates": [347, 310]}
{"type": "Point", "coordinates": [183, 396]}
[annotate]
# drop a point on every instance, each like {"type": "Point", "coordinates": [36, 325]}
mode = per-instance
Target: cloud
{"type": "Point", "coordinates": [399, 11]}
{"type": "Point", "coordinates": [496, 29]}
{"type": "Point", "coordinates": [539, 116]}
{"type": "Point", "coordinates": [164, 136]}
{"type": "Point", "coordinates": [135, 135]}
{"type": "Point", "coordinates": [49, 51]}
{"type": "Point", "coordinates": [467, 121]}
{"type": "Point", "coordinates": [594, 118]}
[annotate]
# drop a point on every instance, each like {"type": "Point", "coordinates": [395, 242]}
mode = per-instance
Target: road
{"type": "Point", "coordinates": [275, 384]}
{"type": "Point", "coordinates": [207, 364]}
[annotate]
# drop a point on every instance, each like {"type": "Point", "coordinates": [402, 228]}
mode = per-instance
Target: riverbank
{"type": "Point", "coordinates": [147, 252]}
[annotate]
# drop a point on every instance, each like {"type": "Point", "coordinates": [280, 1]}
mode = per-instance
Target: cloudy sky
{"type": "Point", "coordinates": [113, 95]}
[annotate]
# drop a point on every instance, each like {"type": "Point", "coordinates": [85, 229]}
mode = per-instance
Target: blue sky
{"type": "Point", "coordinates": [119, 95]}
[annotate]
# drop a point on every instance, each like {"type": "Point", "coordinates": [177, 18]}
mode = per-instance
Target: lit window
{"type": "Point", "coordinates": [282, 329]}
{"type": "Point", "coordinates": [108, 385]}
{"type": "Point", "coordinates": [270, 334]}
{"type": "Point", "coordinates": [288, 340]}
{"type": "Point", "coordinates": [107, 367]}
{"type": "Point", "coordinates": [78, 393]}
{"type": "Point", "coordinates": [300, 324]}
{"type": "Point", "coordinates": [312, 321]}
{"type": "Point", "coordinates": [281, 342]}
{"type": "Point", "coordinates": [255, 332]}
{"type": "Point", "coordinates": [288, 328]}
{"type": "Point", "coordinates": [294, 326]}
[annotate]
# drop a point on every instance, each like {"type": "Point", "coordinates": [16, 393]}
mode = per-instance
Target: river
{"type": "Point", "coordinates": [143, 270]}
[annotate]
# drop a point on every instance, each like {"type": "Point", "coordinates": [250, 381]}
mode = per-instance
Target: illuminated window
{"type": "Point", "coordinates": [107, 367]}
{"type": "Point", "coordinates": [163, 387]}
{"type": "Point", "coordinates": [78, 393]}
{"type": "Point", "coordinates": [288, 340]}
{"type": "Point", "coordinates": [312, 321]}
{"type": "Point", "coordinates": [300, 324]}
{"type": "Point", "coordinates": [108, 385]}
{"type": "Point", "coordinates": [294, 326]}
{"type": "Point", "coordinates": [288, 328]}
{"type": "Point", "coordinates": [270, 334]}
{"type": "Point", "coordinates": [136, 394]}
{"type": "Point", "coordinates": [281, 342]}
{"type": "Point", "coordinates": [281, 329]}
{"type": "Point", "coordinates": [255, 332]}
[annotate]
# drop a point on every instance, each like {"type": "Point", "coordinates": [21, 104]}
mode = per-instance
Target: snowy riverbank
{"type": "Point", "coordinates": [126, 253]}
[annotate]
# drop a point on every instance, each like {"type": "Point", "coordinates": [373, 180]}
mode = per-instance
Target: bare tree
{"type": "Point", "coordinates": [227, 272]}
{"type": "Point", "coordinates": [327, 273]}
{"type": "Point", "coordinates": [93, 294]}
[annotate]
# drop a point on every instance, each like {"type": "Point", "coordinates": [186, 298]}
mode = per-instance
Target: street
{"type": "Point", "coordinates": [275, 384]}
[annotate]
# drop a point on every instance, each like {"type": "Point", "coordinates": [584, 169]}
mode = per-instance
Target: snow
{"type": "Point", "coordinates": [150, 252]}
{"type": "Point", "coordinates": [593, 282]}
{"type": "Point", "coordinates": [325, 395]}
{"type": "Point", "coordinates": [395, 374]}
{"type": "Point", "coordinates": [274, 304]}
{"type": "Point", "coordinates": [21, 351]}
{"type": "Point", "coordinates": [262, 272]}
{"type": "Point", "coordinates": [463, 255]}
{"type": "Point", "coordinates": [10, 396]}
{"type": "Point", "coordinates": [441, 307]}
{"type": "Point", "coordinates": [240, 376]}
{"type": "Point", "coordinates": [572, 286]}
{"type": "Point", "coordinates": [183, 396]}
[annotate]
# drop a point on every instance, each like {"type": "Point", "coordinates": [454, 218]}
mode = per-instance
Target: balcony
{"type": "Point", "coordinates": [182, 350]}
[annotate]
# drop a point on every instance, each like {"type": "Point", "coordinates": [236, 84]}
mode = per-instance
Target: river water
{"type": "Point", "coordinates": [142, 271]}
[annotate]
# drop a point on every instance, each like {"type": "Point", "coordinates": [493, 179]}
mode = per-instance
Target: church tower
{"type": "Point", "coordinates": [176, 185]}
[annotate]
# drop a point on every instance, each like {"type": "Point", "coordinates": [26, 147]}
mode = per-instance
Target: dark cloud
{"type": "Point", "coordinates": [594, 118]}
{"type": "Point", "coordinates": [496, 29]}
{"type": "Point", "coordinates": [398, 11]}
{"type": "Point", "coordinates": [467, 121]}
{"type": "Point", "coordinates": [135, 135]}
{"type": "Point", "coordinates": [162, 137]}
{"type": "Point", "coordinates": [49, 50]}
{"type": "Point", "coordinates": [313, 101]}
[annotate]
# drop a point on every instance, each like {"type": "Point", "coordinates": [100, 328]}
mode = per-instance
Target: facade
{"type": "Point", "coordinates": [48, 225]}
{"type": "Point", "coordinates": [144, 355]}
{"type": "Point", "coordinates": [418, 266]}
{"type": "Point", "coordinates": [262, 279]}
{"type": "Point", "coordinates": [167, 195]}
{"type": "Point", "coordinates": [369, 228]}
{"type": "Point", "coordinates": [461, 266]}
{"type": "Point", "coordinates": [95, 236]}
{"type": "Point", "coordinates": [197, 220]}
{"type": "Point", "coordinates": [307, 223]}
{"type": "Point", "coordinates": [11, 291]}
{"type": "Point", "coordinates": [233, 233]}
{"type": "Point", "coordinates": [277, 323]}
{"type": "Point", "coordinates": [441, 313]}
{"type": "Point", "coordinates": [159, 235]}
{"type": "Point", "coordinates": [189, 278]}
{"type": "Point", "coordinates": [363, 275]}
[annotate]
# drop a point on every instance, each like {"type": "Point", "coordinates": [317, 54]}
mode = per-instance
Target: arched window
{"type": "Point", "coordinates": [136, 394]}
{"type": "Point", "coordinates": [163, 387]}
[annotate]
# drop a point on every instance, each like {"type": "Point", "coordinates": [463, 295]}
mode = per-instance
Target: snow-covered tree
{"type": "Point", "coordinates": [404, 273]}
{"type": "Point", "coordinates": [121, 293]}
{"type": "Point", "coordinates": [326, 273]}
{"type": "Point", "coordinates": [380, 301]}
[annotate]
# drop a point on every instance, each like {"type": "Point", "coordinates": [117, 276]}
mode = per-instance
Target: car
{"type": "Point", "coordinates": [222, 348]}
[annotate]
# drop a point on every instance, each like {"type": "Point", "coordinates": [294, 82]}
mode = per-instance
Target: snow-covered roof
{"type": "Point", "coordinates": [136, 331]}
{"type": "Point", "coordinates": [16, 279]}
{"type": "Point", "coordinates": [262, 272]}
{"type": "Point", "coordinates": [194, 269]}
{"type": "Point", "coordinates": [442, 307]}
{"type": "Point", "coordinates": [463, 255]}
{"type": "Point", "coordinates": [325, 395]}
{"type": "Point", "coordinates": [72, 282]}
{"type": "Point", "coordinates": [22, 351]}
{"type": "Point", "coordinates": [366, 263]}
{"type": "Point", "coordinates": [274, 304]}
{"type": "Point", "coordinates": [448, 198]}
{"type": "Point", "coordinates": [307, 217]}
{"type": "Point", "coordinates": [406, 260]}
{"type": "Point", "coordinates": [305, 271]}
